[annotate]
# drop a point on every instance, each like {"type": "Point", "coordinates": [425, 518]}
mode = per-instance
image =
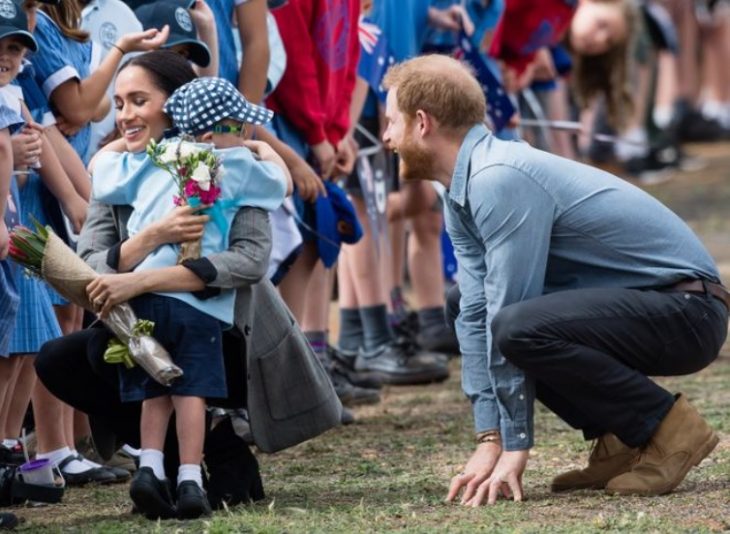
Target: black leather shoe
{"type": "Point", "coordinates": [191, 501]}
{"type": "Point", "coordinates": [99, 475]}
{"type": "Point", "coordinates": [150, 495]}
{"type": "Point", "coordinates": [344, 362]}
{"type": "Point", "coordinates": [349, 394]}
{"type": "Point", "coordinates": [438, 338]}
{"type": "Point", "coordinates": [395, 363]}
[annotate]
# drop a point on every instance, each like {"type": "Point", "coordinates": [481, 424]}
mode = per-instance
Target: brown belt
{"type": "Point", "coordinates": [698, 286]}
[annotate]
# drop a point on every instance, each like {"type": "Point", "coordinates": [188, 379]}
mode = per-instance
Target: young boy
{"type": "Point", "coordinates": [213, 111]}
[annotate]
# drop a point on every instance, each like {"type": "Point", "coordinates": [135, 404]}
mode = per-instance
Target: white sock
{"type": "Point", "coordinates": [10, 443]}
{"type": "Point", "coordinates": [153, 459]}
{"type": "Point", "coordinates": [130, 450]}
{"type": "Point", "coordinates": [74, 467]}
{"type": "Point", "coordinates": [662, 116]}
{"type": "Point", "coordinates": [190, 472]}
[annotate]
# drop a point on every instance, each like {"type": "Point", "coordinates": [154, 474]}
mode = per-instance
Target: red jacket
{"type": "Point", "coordinates": [322, 47]}
{"type": "Point", "coordinates": [526, 26]}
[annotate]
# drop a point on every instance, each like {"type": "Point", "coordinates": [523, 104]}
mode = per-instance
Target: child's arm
{"type": "Point", "coordinates": [265, 152]}
{"type": "Point", "coordinates": [204, 21]}
{"type": "Point", "coordinates": [6, 172]}
{"type": "Point", "coordinates": [78, 100]}
{"type": "Point", "coordinates": [70, 161]}
{"type": "Point", "coordinates": [309, 185]}
{"type": "Point", "coordinates": [251, 17]}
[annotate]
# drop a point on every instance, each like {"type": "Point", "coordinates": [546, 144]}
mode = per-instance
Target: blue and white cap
{"type": "Point", "coordinates": [199, 105]}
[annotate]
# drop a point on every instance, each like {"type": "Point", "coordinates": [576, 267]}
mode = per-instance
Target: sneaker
{"type": "Point", "coordinates": [192, 502]}
{"type": "Point", "coordinates": [396, 363]}
{"type": "Point", "coordinates": [151, 496]}
{"type": "Point", "coordinates": [347, 418]}
{"type": "Point", "coordinates": [351, 395]}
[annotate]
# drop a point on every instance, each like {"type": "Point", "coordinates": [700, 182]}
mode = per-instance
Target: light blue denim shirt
{"type": "Point", "coordinates": [525, 223]}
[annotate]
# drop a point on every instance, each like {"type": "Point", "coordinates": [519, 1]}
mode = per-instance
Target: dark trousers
{"type": "Point", "coordinates": [590, 352]}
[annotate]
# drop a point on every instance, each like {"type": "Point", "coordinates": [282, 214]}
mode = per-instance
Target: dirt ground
{"type": "Point", "coordinates": [389, 471]}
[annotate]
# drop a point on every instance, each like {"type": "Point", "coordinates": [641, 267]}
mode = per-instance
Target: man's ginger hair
{"type": "Point", "coordinates": [442, 87]}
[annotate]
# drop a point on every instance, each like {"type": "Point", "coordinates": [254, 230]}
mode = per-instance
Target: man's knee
{"type": "Point", "coordinates": [512, 333]}
{"type": "Point", "coordinates": [453, 296]}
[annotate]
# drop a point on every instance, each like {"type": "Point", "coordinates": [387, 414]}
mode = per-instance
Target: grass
{"type": "Point", "coordinates": [390, 471]}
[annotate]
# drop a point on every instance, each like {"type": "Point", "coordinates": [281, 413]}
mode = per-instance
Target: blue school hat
{"type": "Point", "coordinates": [198, 105]}
{"type": "Point", "coordinates": [175, 14]}
{"type": "Point", "coordinates": [14, 23]}
{"type": "Point", "coordinates": [336, 222]}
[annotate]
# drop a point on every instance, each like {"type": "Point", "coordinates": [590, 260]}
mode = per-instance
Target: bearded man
{"type": "Point", "coordinates": [575, 286]}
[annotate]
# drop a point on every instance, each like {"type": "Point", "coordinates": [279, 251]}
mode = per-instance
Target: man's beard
{"type": "Point", "coordinates": [415, 162]}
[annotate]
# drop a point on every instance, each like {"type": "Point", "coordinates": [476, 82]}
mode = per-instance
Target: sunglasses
{"type": "Point", "coordinates": [225, 128]}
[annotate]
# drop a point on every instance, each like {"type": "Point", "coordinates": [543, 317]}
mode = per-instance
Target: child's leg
{"type": "Point", "coordinates": [18, 403]}
{"type": "Point", "coordinates": [156, 414]}
{"type": "Point", "coordinates": [190, 417]}
{"type": "Point", "coordinates": [8, 375]}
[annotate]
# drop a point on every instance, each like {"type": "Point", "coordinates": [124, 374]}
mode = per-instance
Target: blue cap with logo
{"type": "Point", "coordinates": [200, 104]}
{"type": "Point", "coordinates": [14, 23]}
{"type": "Point", "coordinates": [175, 14]}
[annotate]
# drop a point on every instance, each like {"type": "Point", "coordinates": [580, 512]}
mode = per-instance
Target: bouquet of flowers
{"type": "Point", "coordinates": [197, 172]}
{"type": "Point", "coordinates": [42, 253]}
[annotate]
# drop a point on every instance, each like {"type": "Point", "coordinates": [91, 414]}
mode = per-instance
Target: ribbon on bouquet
{"type": "Point", "coordinates": [118, 352]}
{"type": "Point", "coordinates": [215, 211]}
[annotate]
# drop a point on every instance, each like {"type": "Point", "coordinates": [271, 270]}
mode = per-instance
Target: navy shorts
{"type": "Point", "coordinates": [193, 340]}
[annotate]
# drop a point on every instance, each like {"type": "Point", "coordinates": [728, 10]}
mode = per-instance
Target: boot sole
{"type": "Point", "coordinates": [411, 379]}
{"type": "Point", "coordinates": [703, 452]}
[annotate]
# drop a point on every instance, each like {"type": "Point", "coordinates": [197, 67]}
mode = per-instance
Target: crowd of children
{"type": "Point", "coordinates": [78, 108]}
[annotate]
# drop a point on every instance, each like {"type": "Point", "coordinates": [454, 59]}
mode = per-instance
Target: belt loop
{"type": "Point", "coordinates": [704, 286]}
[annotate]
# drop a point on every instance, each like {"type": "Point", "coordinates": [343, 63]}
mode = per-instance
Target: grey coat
{"type": "Point", "coordinates": [290, 397]}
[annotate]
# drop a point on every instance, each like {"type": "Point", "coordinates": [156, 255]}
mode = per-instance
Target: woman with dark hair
{"type": "Point", "coordinates": [73, 368]}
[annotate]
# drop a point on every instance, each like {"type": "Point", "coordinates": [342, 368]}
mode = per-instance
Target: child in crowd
{"type": "Point", "coordinates": [188, 325]}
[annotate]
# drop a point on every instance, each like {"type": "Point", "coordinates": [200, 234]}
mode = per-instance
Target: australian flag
{"type": "Point", "coordinates": [375, 57]}
{"type": "Point", "coordinates": [499, 106]}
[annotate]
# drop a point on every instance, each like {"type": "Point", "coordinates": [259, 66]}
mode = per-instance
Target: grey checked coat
{"type": "Point", "coordinates": [290, 397]}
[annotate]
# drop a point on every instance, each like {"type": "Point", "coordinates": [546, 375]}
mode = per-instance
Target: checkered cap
{"type": "Point", "coordinates": [198, 105]}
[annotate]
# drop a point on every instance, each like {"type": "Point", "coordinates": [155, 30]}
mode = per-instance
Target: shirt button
{"type": "Point", "coordinates": [523, 435]}
{"type": "Point", "coordinates": [522, 397]}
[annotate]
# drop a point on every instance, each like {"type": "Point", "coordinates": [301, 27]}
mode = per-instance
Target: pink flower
{"type": "Point", "coordinates": [191, 189]}
{"type": "Point", "coordinates": [211, 195]}
{"type": "Point", "coordinates": [182, 171]}
{"type": "Point", "coordinates": [178, 201]}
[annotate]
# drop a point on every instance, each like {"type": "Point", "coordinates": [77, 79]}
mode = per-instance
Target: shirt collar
{"type": "Point", "coordinates": [457, 190]}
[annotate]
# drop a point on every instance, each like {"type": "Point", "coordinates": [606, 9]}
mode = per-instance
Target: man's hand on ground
{"type": "Point", "coordinates": [506, 478]}
{"type": "Point", "coordinates": [477, 470]}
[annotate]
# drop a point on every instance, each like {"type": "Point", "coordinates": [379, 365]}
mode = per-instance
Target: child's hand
{"type": "Point", "coordinates": [27, 146]}
{"type": "Point", "coordinates": [66, 128]}
{"type": "Point", "coordinates": [201, 14]}
{"type": "Point", "coordinates": [346, 156]}
{"type": "Point", "coordinates": [324, 153]}
{"type": "Point", "coordinates": [309, 185]}
{"type": "Point", "coordinates": [4, 240]}
{"type": "Point", "coordinates": [151, 39]}
{"type": "Point", "coordinates": [75, 209]}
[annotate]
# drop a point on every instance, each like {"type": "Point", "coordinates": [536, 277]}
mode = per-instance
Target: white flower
{"type": "Point", "coordinates": [201, 174]}
{"type": "Point", "coordinates": [188, 149]}
{"type": "Point", "coordinates": [169, 155]}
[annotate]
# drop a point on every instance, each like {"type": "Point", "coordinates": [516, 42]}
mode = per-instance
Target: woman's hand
{"type": "Point", "coordinates": [111, 289]}
{"type": "Point", "coordinates": [27, 145]}
{"type": "Point", "coordinates": [151, 39]}
{"type": "Point", "coordinates": [182, 224]}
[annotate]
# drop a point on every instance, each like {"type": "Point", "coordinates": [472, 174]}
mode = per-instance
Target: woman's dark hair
{"type": "Point", "coordinates": [168, 70]}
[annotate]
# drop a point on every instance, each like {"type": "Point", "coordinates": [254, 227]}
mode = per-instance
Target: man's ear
{"type": "Point", "coordinates": [424, 123]}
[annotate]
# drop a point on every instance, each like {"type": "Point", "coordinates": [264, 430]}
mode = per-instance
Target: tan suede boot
{"type": "Point", "coordinates": [682, 440]}
{"type": "Point", "coordinates": [609, 458]}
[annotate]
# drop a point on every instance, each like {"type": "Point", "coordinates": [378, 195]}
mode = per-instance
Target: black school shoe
{"type": "Point", "coordinates": [150, 495]}
{"type": "Point", "coordinates": [99, 475]}
{"type": "Point", "coordinates": [192, 502]}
